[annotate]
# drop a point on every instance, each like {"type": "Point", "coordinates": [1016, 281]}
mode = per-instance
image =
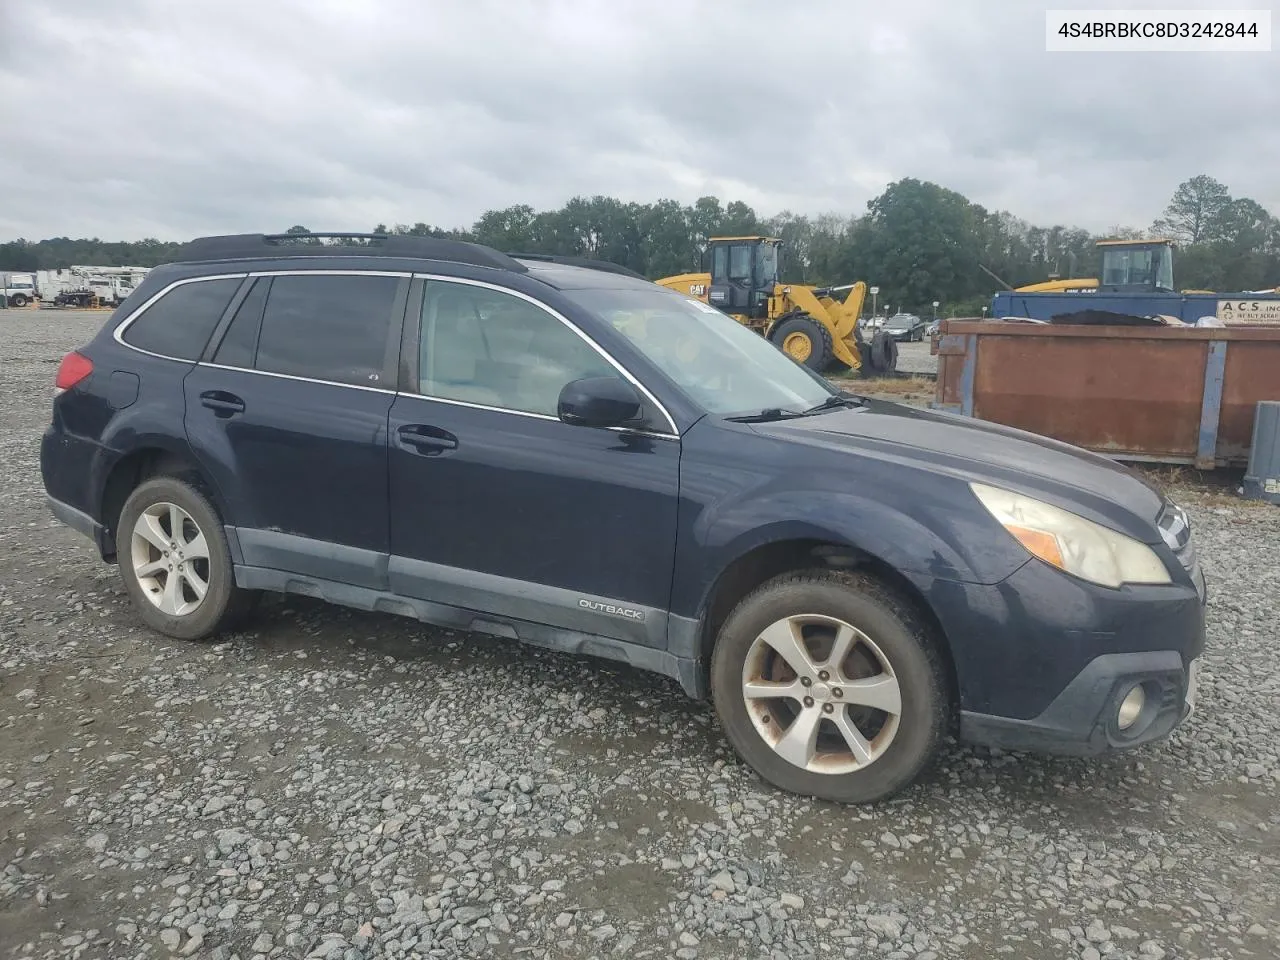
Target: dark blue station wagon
{"type": "Point", "coordinates": [563, 453]}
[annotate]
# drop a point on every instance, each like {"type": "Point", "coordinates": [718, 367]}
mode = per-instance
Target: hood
{"type": "Point", "coordinates": [941, 443]}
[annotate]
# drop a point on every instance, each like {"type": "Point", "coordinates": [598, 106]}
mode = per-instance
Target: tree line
{"type": "Point", "coordinates": [917, 241]}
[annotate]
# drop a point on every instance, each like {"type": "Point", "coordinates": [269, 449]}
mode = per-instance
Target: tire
{"type": "Point", "coordinates": [19, 300]}
{"type": "Point", "coordinates": [895, 751]}
{"type": "Point", "coordinates": [222, 605]}
{"type": "Point", "coordinates": [884, 353]}
{"type": "Point", "coordinates": [821, 352]}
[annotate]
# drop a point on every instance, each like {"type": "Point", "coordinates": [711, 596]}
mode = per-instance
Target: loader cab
{"type": "Point", "coordinates": [1136, 266]}
{"type": "Point", "coordinates": [744, 272]}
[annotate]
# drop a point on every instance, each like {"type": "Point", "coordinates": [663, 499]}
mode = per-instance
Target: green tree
{"type": "Point", "coordinates": [509, 229]}
{"type": "Point", "coordinates": [1196, 210]}
{"type": "Point", "coordinates": [796, 234]}
{"type": "Point", "coordinates": [920, 243]}
{"type": "Point", "coordinates": [739, 220]}
{"type": "Point", "coordinates": [666, 240]}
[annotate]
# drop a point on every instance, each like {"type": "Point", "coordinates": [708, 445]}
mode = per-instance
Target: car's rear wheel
{"type": "Point", "coordinates": [175, 562]}
{"type": "Point", "coordinates": [829, 685]}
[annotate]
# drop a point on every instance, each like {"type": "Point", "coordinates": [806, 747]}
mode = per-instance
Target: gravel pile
{"type": "Point", "coordinates": [340, 785]}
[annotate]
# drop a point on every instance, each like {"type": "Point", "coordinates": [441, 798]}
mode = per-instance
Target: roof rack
{"type": "Point", "coordinates": [261, 246]}
{"type": "Point", "coordinates": [602, 265]}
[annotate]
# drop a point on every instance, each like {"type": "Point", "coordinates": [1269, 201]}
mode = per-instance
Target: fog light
{"type": "Point", "coordinates": [1131, 707]}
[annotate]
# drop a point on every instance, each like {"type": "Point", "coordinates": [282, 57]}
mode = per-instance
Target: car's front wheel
{"type": "Point", "coordinates": [175, 562]}
{"type": "Point", "coordinates": [829, 685]}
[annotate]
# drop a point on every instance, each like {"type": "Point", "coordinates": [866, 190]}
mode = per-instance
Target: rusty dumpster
{"type": "Point", "coordinates": [1145, 393]}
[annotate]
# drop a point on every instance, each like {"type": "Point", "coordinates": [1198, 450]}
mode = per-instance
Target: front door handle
{"type": "Point", "coordinates": [426, 439]}
{"type": "Point", "coordinates": [221, 402]}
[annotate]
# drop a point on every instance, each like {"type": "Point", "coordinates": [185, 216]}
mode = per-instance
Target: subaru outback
{"type": "Point", "coordinates": [565, 454]}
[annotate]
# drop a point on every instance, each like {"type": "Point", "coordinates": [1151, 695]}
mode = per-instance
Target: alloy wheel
{"type": "Point", "coordinates": [170, 557]}
{"type": "Point", "coordinates": [821, 694]}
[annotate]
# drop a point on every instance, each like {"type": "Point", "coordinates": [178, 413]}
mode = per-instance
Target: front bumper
{"type": "Point", "coordinates": [1043, 660]}
{"type": "Point", "coordinates": [1083, 719]}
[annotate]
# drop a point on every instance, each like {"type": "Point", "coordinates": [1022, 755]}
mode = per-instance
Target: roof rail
{"type": "Point", "coordinates": [603, 265]}
{"type": "Point", "coordinates": [263, 246]}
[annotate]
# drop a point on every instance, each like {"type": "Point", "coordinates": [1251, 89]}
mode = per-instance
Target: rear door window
{"type": "Point", "coordinates": [178, 325]}
{"type": "Point", "coordinates": [328, 327]}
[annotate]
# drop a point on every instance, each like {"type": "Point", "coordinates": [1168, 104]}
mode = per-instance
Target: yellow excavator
{"type": "Point", "coordinates": [816, 326]}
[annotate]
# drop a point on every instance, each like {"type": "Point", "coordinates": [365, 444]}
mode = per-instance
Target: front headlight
{"type": "Point", "coordinates": [1071, 543]}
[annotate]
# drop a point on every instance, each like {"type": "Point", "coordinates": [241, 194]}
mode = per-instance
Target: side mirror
{"type": "Point", "coordinates": [598, 402]}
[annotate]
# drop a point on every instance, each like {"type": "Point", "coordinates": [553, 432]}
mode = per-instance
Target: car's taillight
{"type": "Point", "coordinates": [74, 368]}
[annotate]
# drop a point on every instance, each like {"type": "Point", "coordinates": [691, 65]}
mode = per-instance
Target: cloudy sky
{"type": "Point", "coordinates": [170, 118]}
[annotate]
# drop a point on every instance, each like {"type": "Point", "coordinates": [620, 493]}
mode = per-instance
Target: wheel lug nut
{"type": "Point", "coordinates": [806, 682]}
{"type": "Point", "coordinates": [837, 692]}
{"type": "Point", "coordinates": [823, 675]}
{"type": "Point", "coordinates": [827, 708]}
{"type": "Point", "coordinates": [808, 701]}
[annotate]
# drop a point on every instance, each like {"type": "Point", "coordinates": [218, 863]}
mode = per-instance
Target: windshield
{"type": "Point", "coordinates": [899, 322]}
{"type": "Point", "coordinates": [724, 367]}
{"type": "Point", "coordinates": [1123, 268]}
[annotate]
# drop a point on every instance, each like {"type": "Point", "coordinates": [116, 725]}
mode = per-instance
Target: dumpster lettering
{"type": "Point", "coordinates": [1249, 311]}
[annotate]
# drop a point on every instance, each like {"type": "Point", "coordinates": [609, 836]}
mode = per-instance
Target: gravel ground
{"type": "Point", "coordinates": [341, 785]}
{"type": "Point", "coordinates": [915, 358]}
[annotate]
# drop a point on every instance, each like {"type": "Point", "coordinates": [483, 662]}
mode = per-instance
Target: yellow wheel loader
{"type": "Point", "coordinates": [816, 326]}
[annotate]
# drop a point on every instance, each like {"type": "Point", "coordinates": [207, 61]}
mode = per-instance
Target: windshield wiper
{"type": "Point", "coordinates": [833, 401]}
{"type": "Point", "coordinates": [765, 415]}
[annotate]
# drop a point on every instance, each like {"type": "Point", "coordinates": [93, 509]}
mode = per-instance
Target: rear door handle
{"type": "Point", "coordinates": [426, 439]}
{"type": "Point", "coordinates": [221, 402]}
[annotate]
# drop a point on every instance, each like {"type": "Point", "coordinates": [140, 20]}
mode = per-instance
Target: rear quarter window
{"type": "Point", "coordinates": [178, 325]}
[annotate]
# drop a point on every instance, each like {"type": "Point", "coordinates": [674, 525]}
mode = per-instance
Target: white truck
{"type": "Point", "coordinates": [19, 288]}
{"type": "Point", "coordinates": [88, 286]}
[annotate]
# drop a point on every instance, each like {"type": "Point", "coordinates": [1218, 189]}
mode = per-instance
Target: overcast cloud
{"type": "Point", "coordinates": [171, 118]}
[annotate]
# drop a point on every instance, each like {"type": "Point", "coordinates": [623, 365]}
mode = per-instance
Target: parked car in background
{"type": "Point", "coordinates": [905, 326]}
